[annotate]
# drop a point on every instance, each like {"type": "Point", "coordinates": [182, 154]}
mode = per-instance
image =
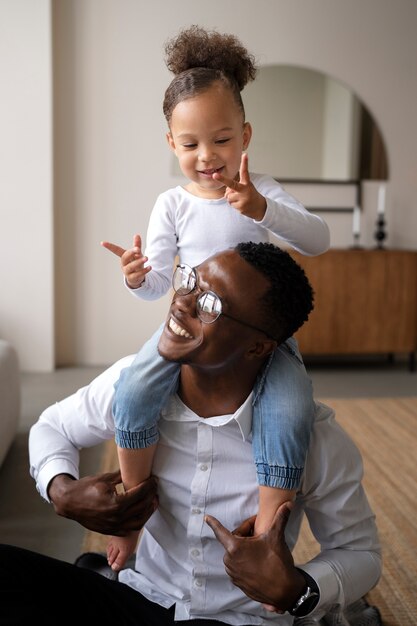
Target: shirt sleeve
{"type": "Point", "coordinates": [161, 250]}
{"type": "Point", "coordinates": [82, 420]}
{"type": "Point", "coordinates": [290, 221]}
{"type": "Point", "coordinates": [339, 515]}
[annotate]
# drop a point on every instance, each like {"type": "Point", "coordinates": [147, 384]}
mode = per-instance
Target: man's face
{"type": "Point", "coordinates": [240, 286]}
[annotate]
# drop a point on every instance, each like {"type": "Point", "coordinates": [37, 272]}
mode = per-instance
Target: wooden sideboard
{"type": "Point", "coordinates": [365, 303]}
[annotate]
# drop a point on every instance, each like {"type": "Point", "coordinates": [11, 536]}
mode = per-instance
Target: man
{"type": "Point", "coordinates": [258, 296]}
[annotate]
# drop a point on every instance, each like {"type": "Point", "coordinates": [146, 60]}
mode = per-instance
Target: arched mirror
{"type": "Point", "coordinates": [310, 127]}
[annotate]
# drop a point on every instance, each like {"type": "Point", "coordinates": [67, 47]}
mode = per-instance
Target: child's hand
{"type": "Point", "coordinates": [242, 194]}
{"type": "Point", "coordinates": [132, 261]}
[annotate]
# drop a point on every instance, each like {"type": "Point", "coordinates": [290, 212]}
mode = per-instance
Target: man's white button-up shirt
{"type": "Point", "coordinates": [205, 466]}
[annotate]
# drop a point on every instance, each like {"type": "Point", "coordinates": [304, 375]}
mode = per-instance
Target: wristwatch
{"type": "Point", "coordinates": [308, 600]}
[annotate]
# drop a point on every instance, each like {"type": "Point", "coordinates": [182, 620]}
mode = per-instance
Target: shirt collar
{"type": "Point", "coordinates": [243, 417]}
{"type": "Point", "coordinates": [176, 410]}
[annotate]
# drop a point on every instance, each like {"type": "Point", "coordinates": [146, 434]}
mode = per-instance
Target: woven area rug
{"type": "Point", "coordinates": [385, 431]}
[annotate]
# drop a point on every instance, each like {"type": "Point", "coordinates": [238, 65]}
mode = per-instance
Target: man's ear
{"type": "Point", "coordinates": [262, 348]}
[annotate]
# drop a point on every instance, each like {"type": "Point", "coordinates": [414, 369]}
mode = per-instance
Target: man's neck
{"type": "Point", "coordinates": [210, 393]}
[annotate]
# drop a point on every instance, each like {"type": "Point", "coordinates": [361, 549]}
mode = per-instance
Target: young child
{"type": "Point", "coordinates": [221, 205]}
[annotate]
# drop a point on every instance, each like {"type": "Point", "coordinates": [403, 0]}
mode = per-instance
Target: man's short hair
{"type": "Point", "coordinates": [288, 302]}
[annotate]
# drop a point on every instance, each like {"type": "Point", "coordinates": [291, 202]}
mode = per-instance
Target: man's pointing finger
{"type": "Point", "coordinates": [222, 534]}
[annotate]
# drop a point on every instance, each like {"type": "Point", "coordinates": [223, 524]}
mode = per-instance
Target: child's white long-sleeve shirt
{"type": "Point", "coordinates": [194, 228]}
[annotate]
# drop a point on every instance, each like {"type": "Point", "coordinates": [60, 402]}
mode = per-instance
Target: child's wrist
{"type": "Point", "coordinates": [260, 209]}
{"type": "Point", "coordinates": [135, 286]}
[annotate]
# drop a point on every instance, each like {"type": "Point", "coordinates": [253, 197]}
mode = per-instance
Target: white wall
{"type": "Point", "coordinates": [26, 255]}
{"type": "Point", "coordinates": [111, 159]}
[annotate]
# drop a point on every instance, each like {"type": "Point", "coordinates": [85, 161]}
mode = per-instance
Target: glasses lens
{"type": "Point", "coordinates": [184, 280]}
{"type": "Point", "coordinates": [209, 307]}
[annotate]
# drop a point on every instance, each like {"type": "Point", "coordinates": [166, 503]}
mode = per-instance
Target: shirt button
{"type": "Point", "coordinates": [198, 583]}
{"type": "Point", "coordinates": [196, 511]}
{"type": "Point", "coordinates": [203, 468]}
{"type": "Point", "coordinates": [195, 552]}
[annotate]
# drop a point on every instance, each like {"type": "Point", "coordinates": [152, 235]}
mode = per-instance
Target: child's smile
{"type": "Point", "coordinates": [211, 171]}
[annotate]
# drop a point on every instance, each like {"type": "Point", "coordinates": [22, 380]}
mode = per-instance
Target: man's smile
{"type": "Point", "coordinates": [178, 330]}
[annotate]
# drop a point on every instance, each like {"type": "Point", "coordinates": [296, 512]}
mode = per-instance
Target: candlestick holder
{"type": "Point", "coordinates": [356, 241]}
{"type": "Point", "coordinates": [356, 226]}
{"type": "Point", "coordinates": [380, 234]}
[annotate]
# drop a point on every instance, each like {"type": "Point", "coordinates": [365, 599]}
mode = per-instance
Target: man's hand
{"type": "Point", "coordinates": [262, 567]}
{"type": "Point", "coordinates": [92, 502]}
{"type": "Point", "coordinates": [132, 261]}
{"type": "Point", "coordinates": [241, 194]}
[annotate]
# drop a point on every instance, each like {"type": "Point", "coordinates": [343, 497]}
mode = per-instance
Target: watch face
{"type": "Point", "coordinates": [306, 603]}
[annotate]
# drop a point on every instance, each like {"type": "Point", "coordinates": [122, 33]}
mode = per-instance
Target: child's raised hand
{"type": "Point", "coordinates": [132, 261]}
{"type": "Point", "coordinates": [241, 194]}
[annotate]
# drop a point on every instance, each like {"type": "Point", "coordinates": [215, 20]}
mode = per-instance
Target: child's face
{"type": "Point", "coordinates": [208, 135]}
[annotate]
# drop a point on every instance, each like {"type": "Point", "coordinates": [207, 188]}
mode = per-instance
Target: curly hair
{"type": "Point", "coordinates": [200, 57]}
{"type": "Point", "coordinates": [288, 302]}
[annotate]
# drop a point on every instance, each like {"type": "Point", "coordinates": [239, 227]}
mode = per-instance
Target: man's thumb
{"type": "Point", "coordinates": [280, 520]}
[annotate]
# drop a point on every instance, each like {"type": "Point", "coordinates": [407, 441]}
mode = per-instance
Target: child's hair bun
{"type": "Point", "coordinates": [198, 47]}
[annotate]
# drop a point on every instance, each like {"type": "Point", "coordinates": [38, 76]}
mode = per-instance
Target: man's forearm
{"type": "Point", "coordinates": [57, 437]}
{"type": "Point", "coordinates": [344, 576]}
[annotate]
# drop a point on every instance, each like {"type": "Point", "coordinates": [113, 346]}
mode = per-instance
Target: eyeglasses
{"type": "Point", "coordinates": [208, 304]}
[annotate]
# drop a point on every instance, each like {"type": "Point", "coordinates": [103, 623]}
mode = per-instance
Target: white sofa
{"type": "Point", "coordinates": [9, 396]}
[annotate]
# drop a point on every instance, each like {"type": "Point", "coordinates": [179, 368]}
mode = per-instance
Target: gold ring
{"type": "Point", "coordinates": [120, 489]}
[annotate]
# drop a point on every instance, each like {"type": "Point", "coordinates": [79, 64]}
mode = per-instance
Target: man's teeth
{"type": "Point", "coordinates": [178, 330]}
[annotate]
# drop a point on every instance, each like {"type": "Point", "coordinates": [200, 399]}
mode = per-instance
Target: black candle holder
{"type": "Point", "coordinates": [380, 234]}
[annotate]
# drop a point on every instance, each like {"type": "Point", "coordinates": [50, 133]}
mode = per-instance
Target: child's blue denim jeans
{"type": "Point", "coordinates": [283, 409]}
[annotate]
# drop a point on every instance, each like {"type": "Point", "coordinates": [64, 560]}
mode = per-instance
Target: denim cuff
{"type": "Point", "coordinates": [134, 440]}
{"type": "Point", "coordinates": [278, 476]}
